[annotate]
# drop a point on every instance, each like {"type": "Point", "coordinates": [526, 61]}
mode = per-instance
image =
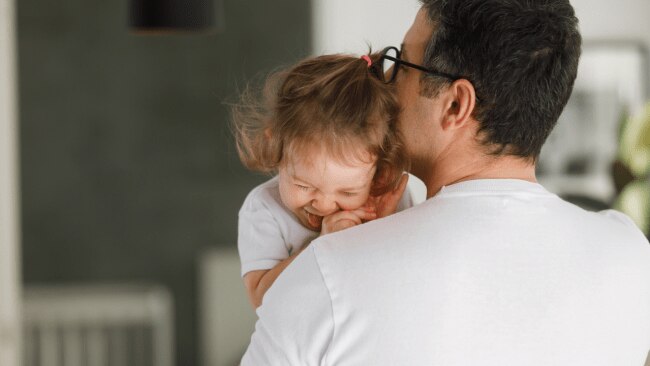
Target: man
{"type": "Point", "coordinates": [492, 269]}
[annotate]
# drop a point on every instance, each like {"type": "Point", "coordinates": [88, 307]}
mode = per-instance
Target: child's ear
{"type": "Point", "coordinates": [267, 133]}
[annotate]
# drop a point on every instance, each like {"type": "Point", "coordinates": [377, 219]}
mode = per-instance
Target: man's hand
{"type": "Point", "coordinates": [345, 219]}
{"type": "Point", "coordinates": [386, 204]}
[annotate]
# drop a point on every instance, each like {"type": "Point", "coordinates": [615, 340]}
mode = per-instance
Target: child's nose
{"type": "Point", "coordinates": [324, 205]}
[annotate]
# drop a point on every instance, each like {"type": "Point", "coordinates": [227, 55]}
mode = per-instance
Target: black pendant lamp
{"type": "Point", "coordinates": [161, 16]}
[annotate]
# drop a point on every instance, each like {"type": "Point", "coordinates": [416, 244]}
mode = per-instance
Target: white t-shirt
{"type": "Point", "coordinates": [269, 232]}
{"type": "Point", "coordinates": [486, 272]}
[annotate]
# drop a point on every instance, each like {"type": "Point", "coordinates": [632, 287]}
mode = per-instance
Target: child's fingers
{"type": "Point", "coordinates": [370, 205]}
{"type": "Point", "coordinates": [343, 224]}
{"type": "Point", "coordinates": [343, 220]}
{"type": "Point", "coordinates": [354, 216]}
{"type": "Point", "coordinates": [364, 214]}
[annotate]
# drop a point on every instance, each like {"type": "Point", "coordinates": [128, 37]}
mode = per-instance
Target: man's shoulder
{"type": "Point", "coordinates": [628, 233]}
{"type": "Point", "coordinates": [619, 218]}
{"type": "Point", "coordinates": [371, 237]}
{"type": "Point", "coordinates": [608, 221]}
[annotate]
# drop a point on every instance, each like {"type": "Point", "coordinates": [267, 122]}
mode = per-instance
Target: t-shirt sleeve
{"type": "Point", "coordinates": [620, 217]}
{"type": "Point", "coordinates": [407, 200]}
{"type": "Point", "coordinates": [260, 241]}
{"type": "Point", "coordinates": [295, 322]}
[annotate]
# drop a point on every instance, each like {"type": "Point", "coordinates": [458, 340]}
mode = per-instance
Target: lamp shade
{"type": "Point", "coordinates": [171, 15]}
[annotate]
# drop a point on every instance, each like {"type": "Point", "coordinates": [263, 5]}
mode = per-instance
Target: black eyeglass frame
{"type": "Point", "coordinates": [398, 61]}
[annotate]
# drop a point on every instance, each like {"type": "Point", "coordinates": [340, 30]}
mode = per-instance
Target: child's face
{"type": "Point", "coordinates": [319, 185]}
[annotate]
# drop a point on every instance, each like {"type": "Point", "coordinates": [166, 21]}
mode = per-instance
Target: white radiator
{"type": "Point", "coordinates": [102, 325]}
{"type": "Point", "coordinates": [226, 319]}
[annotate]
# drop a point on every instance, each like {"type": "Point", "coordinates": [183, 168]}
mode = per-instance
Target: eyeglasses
{"type": "Point", "coordinates": [390, 63]}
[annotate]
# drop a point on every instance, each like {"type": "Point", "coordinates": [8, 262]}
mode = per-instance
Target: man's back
{"type": "Point", "coordinates": [487, 272]}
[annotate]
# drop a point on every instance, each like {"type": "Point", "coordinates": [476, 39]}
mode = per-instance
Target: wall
{"type": "Point", "coordinates": [349, 26]}
{"type": "Point", "coordinates": [625, 20]}
{"type": "Point", "coordinates": [343, 25]}
{"type": "Point", "coordinates": [128, 166]}
{"type": "Point", "coordinates": [9, 213]}
{"type": "Point", "coordinates": [602, 19]}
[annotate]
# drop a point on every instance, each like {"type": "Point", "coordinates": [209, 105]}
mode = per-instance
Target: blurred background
{"type": "Point", "coordinates": [120, 184]}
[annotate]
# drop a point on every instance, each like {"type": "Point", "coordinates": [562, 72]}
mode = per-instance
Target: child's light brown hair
{"type": "Point", "coordinates": [333, 102]}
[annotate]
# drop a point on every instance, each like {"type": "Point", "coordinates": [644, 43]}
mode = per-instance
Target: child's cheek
{"type": "Point", "coordinates": [352, 203]}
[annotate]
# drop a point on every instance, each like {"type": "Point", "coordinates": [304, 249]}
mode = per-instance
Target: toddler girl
{"type": "Point", "coordinates": [326, 128]}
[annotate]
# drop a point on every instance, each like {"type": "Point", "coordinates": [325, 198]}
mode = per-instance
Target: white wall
{"type": "Point", "coordinates": [226, 321]}
{"type": "Point", "coordinates": [346, 25]}
{"type": "Point", "coordinates": [9, 228]}
{"type": "Point", "coordinates": [621, 19]}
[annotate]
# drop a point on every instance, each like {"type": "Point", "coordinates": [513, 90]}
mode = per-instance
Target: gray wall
{"type": "Point", "coordinates": [128, 167]}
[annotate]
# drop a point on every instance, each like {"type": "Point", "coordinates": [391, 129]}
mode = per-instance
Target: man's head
{"type": "Point", "coordinates": [518, 59]}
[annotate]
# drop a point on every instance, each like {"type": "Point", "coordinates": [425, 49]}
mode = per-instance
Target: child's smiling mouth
{"type": "Point", "coordinates": [314, 221]}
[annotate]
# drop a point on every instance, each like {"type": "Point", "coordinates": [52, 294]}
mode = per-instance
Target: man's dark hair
{"type": "Point", "coordinates": [520, 55]}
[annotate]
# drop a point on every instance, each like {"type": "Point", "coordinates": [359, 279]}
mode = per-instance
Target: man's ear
{"type": "Point", "coordinates": [460, 103]}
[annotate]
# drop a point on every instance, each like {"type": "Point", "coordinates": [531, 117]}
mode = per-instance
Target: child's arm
{"type": "Point", "coordinates": [258, 282]}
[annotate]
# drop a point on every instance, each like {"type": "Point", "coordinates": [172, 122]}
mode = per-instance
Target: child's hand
{"type": "Point", "coordinates": [345, 219]}
{"type": "Point", "coordinates": [386, 204]}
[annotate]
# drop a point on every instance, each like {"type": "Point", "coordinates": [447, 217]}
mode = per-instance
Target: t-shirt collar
{"type": "Point", "coordinates": [493, 185]}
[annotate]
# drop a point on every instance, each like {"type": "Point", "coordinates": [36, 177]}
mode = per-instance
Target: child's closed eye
{"type": "Point", "coordinates": [302, 187]}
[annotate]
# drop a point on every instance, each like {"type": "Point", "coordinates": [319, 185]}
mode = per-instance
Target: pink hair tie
{"type": "Point", "coordinates": [368, 60]}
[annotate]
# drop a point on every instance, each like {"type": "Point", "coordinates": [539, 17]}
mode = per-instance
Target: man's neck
{"type": "Point", "coordinates": [448, 172]}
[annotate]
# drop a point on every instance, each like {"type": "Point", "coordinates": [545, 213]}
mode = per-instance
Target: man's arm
{"type": "Point", "coordinates": [295, 324]}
